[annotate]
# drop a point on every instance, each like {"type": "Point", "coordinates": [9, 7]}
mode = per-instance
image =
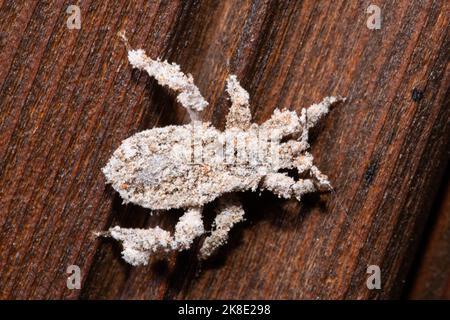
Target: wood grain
{"type": "Point", "coordinates": [68, 97]}
{"type": "Point", "coordinates": [431, 279]}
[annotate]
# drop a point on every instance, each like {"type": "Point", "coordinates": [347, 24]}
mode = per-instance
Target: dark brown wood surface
{"type": "Point", "coordinates": [69, 97]}
{"type": "Point", "coordinates": [431, 279]}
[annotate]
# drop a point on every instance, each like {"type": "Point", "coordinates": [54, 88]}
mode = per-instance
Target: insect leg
{"type": "Point", "coordinates": [305, 164]}
{"type": "Point", "coordinates": [239, 115]}
{"type": "Point", "coordinates": [284, 123]}
{"type": "Point", "coordinates": [139, 244]}
{"type": "Point", "coordinates": [303, 186]}
{"type": "Point", "coordinates": [169, 75]}
{"type": "Point", "coordinates": [316, 111]}
{"type": "Point", "coordinates": [321, 180]}
{"type": "Point", "coordinates": [230, 212]}
{"type": "Point", "coordinates": [278, 183]}
{"type": "Point", "coordinates": [189, 227]}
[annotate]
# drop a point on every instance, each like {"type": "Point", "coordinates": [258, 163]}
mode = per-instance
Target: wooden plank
{"type": "Point", "coordinates": [68, 97]}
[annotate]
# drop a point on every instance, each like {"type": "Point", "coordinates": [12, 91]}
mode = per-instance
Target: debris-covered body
{"type": "Point", "coordinates": [158, 169]}
{"type": "Point", "coordinates": [190, 165]}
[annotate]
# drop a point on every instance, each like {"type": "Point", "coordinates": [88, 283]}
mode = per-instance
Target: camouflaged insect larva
{"type": "Point", "coordinates": [188, 166]}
